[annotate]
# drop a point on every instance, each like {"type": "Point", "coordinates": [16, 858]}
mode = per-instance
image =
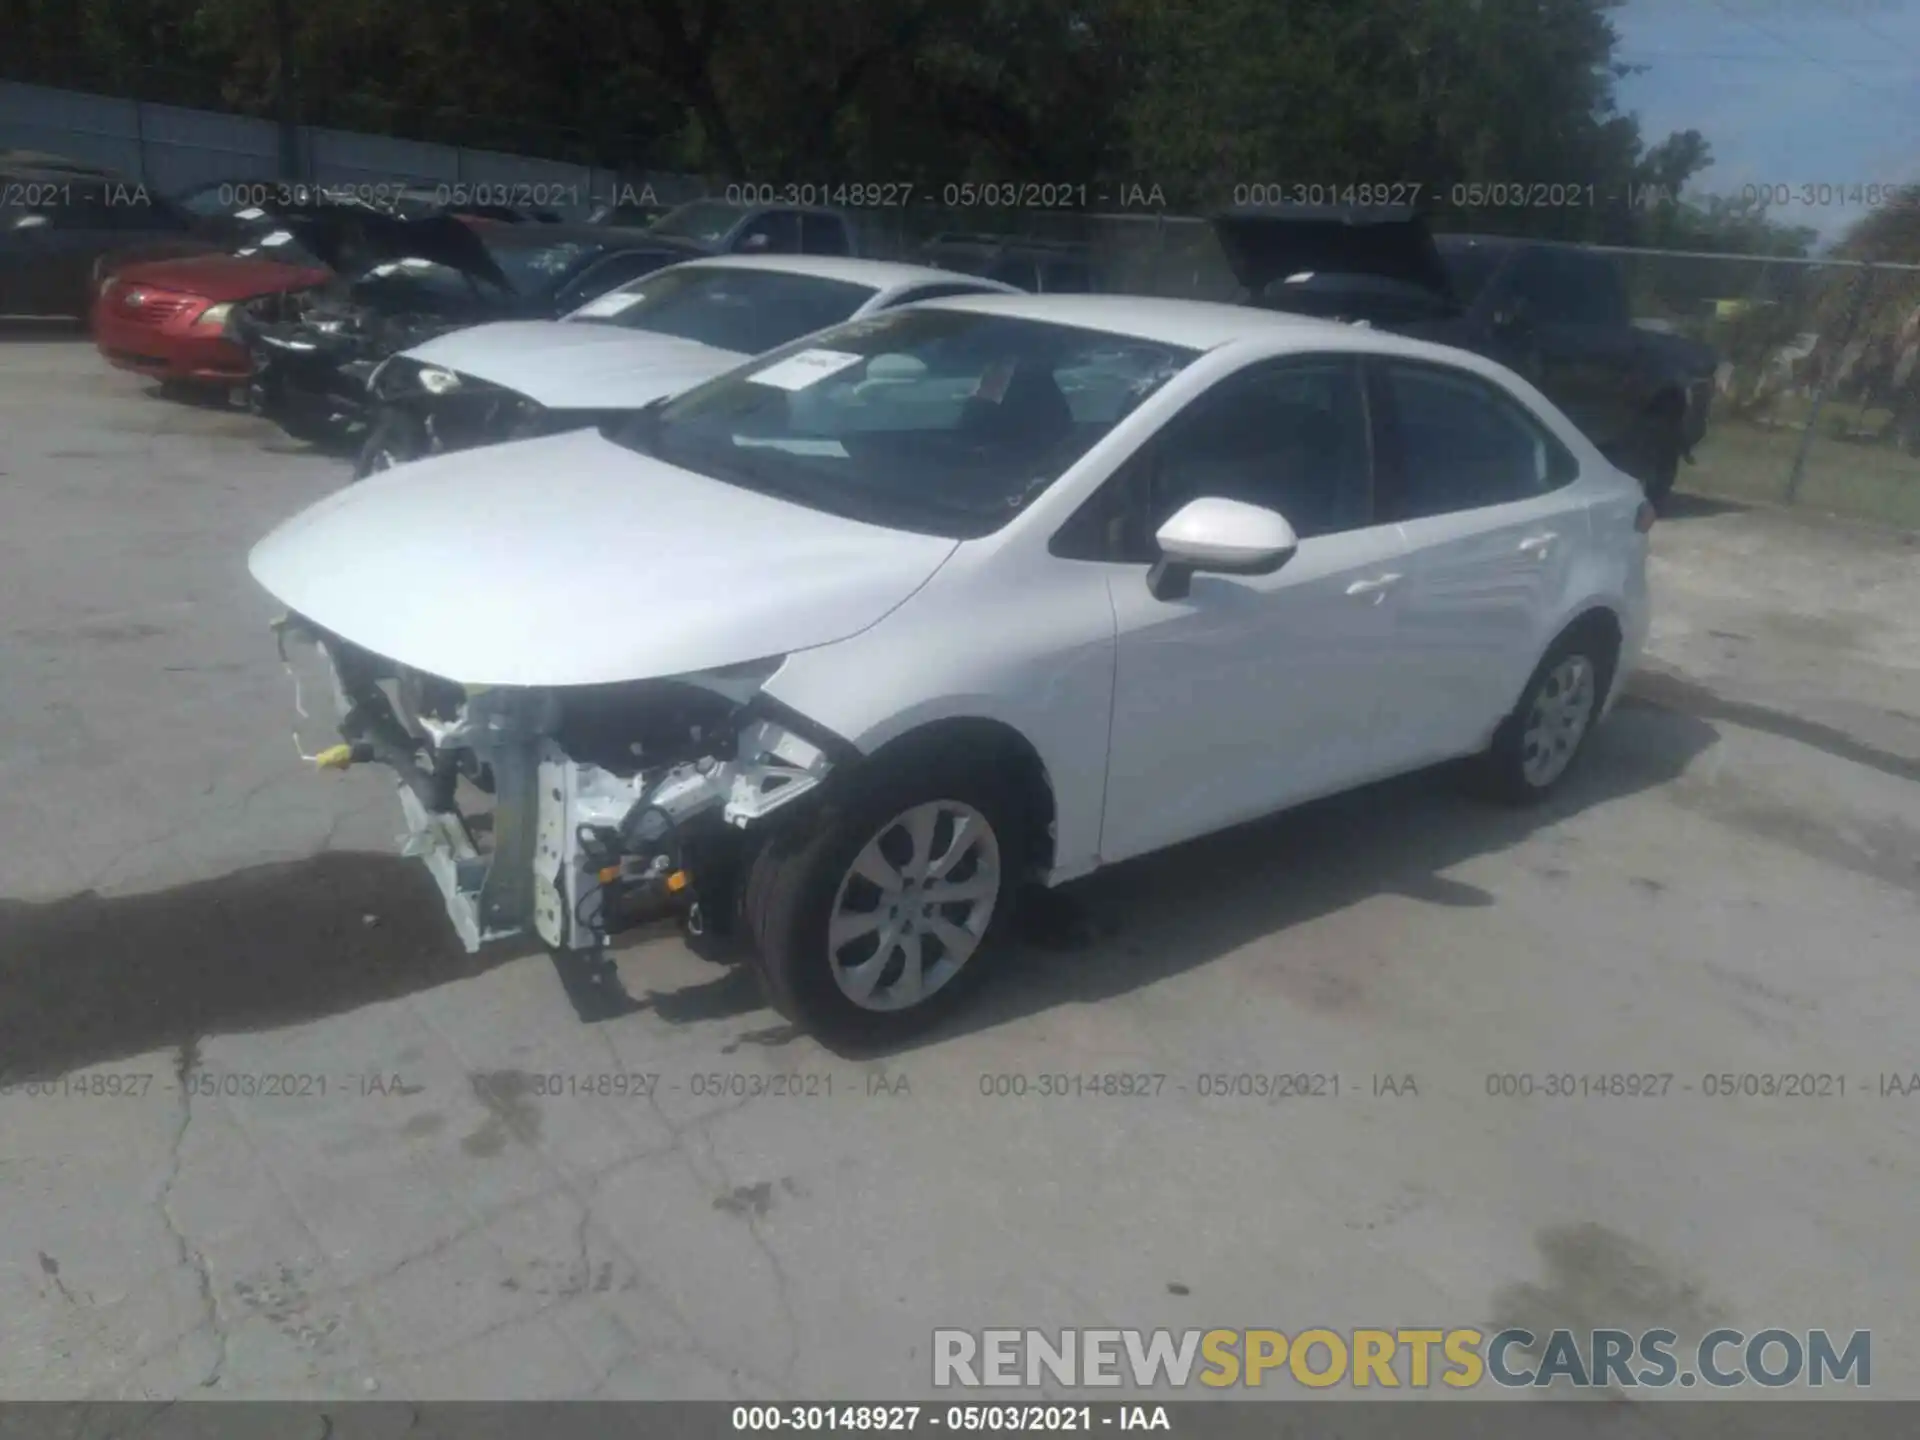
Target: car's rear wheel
{"type": "Point", "coordinates": [880, 919]}
{"type": "Point", "coordinates": [1536, 746]}
{"type": "Point", "coordinates": [395, 438]}
{"type": "Point", "coordinates": [1656, 459]}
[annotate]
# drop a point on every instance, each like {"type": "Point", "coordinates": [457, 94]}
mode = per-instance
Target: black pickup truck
{"type": "Point", "coordinates": [1556, 313]}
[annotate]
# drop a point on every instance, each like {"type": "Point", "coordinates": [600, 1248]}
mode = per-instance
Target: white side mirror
{"type": "Point", "coordinates": [1226, 537]}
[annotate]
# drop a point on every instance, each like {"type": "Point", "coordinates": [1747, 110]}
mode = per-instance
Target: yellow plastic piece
{"type": "Point", "coordinates": [338, 757]}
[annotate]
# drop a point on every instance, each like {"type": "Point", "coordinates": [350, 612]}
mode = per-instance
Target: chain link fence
{"type": "Point", "coordinates": [1817, 396]}
{"type": "Point", "coordinates": [1817, 392]}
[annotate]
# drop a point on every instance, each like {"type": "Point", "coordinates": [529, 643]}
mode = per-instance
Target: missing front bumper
{"type": "Point", "coordinates": [566, 851]}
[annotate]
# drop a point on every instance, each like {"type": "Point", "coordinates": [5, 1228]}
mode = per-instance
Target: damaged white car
{"type": "Point", "coordinates": [848, 643]}
{"type": "Point", "coordinates": [658, 334]}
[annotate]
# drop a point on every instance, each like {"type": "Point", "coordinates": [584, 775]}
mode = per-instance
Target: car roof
{"type": "Point", "coordinates": [534, 234]}
{"type": "Point", "coordinates": [1015, 244]}
{"type": "Point", "coordinates": [1204, 324]}
{"type": "Point", "coordinates": [880, 274]}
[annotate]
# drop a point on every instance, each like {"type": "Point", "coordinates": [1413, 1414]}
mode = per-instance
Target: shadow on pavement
{"type": "Point", "coordinates": [1689, 505]}
{"type": "Point", "coordinates": [1163, 914]}
{"type": "Point", "coordinates": [92, 978]}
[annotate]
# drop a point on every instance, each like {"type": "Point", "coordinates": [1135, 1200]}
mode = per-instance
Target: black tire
{"type": "Point", "coordinates": [1508, 771]}
{"type": "Point", "coordinates": [1656, 461]}
{"type": "Point", "coordinates": [796, 880]}
{"type": "Point", "coordinates": [394, 438]}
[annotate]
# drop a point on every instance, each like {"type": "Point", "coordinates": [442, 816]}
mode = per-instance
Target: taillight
{"type": "Point", "coordinates": [1644, 517]}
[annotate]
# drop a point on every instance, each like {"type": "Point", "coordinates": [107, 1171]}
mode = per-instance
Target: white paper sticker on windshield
{"type": "Point", "coordinates": [809, 367]}
{"type": "Point", "coordinates": [611, 303]}
{"type": "Point", "coordinates": [252, 212]}
{"type": "Point", "coordinates": [814, 449]}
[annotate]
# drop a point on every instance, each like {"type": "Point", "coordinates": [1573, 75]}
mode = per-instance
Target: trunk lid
{"type": "Point", "coordinates": [570, 560]}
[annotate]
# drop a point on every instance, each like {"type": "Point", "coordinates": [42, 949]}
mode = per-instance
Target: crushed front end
{"type": "Point", "coordinates": [571, 813]}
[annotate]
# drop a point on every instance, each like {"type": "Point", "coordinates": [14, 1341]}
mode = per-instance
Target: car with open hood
{"type": "Point", "coordinates": [400, 282]}
{"type": "Point", "coordinates": [839, 649]}
{"type": "Point", "coordinates": [1557, 313]}
{"type": "Point", "coordinates": [630, 346]}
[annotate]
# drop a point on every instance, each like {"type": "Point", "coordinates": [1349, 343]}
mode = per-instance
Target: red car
{"type": "Point", "coordinates": [167, 318]}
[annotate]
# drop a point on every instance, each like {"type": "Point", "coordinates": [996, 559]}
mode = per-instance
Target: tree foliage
{"type": "Point", "coordinates": [1197, 97]}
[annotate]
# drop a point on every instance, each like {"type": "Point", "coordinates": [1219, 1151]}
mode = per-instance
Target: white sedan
{"type": "Point", "coordinates": [855, 639]}
{"type": "Point", "coordinates": [670, 328]}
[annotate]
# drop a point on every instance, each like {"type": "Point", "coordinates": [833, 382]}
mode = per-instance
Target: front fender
{"type": "Point", "coordinates": [1034, 653]}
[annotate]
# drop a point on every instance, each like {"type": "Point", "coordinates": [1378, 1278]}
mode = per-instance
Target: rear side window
{"type": "Point", "coordinates": [1066, 277]}
{"type": "Point", "coordinates": [1015, 271]}
{"type": "Point", "coordinates": [1455, 442]}
{"type": "Point", "coordinates": [1567, 287]}
{"type": "Point", "coordinates": [823, 235]}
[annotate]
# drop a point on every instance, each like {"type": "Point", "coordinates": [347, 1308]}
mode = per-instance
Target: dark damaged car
{"type": "Point", "coordinates": [402, 282]}
{"type": "Point", "coordinates": [1556, 313]}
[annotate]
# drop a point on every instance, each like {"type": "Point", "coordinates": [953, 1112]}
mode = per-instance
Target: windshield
{"type": "Point", "coordinates": [535, 269]}
{"type": "Point", "coordinates": [729, 308]}
{"type": "Point", "coordinates": [1469, 266]}
{"type": "Point", "coordinates": [941, 421]}
{"type": "Point", "coordinates": [706, 221]}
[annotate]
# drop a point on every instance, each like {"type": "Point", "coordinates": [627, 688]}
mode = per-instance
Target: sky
{"type": "Point", "coordinates": [1788, 93]}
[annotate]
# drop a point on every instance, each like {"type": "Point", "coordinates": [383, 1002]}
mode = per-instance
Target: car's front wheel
{"type": "Point", "coordinates": [1536, 745]}
{"type": "Point", "coordinates": [393, 439]}
{"type": "Point", "coordinates": [879, 920]}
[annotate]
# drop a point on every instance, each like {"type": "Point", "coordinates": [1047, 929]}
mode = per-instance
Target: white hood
{"type": "Point", "coordinates": [576, 364]}
{"type": "Point", "coordinates": [570, 560]}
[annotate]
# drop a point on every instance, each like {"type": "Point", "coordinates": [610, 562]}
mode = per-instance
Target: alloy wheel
{"type": "Point", "coordinates": [914, 905]}
{"type": "Point", "coordinates": [1562, 710]}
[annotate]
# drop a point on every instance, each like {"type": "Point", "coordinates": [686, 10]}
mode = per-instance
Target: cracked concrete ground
{"type": "Point", "coordinates": [296, 1144]}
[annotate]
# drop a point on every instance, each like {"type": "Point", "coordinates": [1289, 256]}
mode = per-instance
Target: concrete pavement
{"type": "Point", "coordinates": [286, 1140]}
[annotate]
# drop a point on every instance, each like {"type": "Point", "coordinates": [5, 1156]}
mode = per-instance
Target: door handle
{"type": "Point", "coordinates": [1538, 544]}
{"type": "Point", "coordinates": [1376, 588]}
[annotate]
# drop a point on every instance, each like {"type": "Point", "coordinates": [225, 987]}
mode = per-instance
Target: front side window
{"type": "Point", "coordinates": [934, 420]}
{"type": "Point", "coordinates": [603, 275]}
{"type": "Point", "coordinates": [1289, 436]}
{"type": "Point", "coordinates": [1462, 444]}
{"type": "Point", "coordinates": [1469, 266]}
{"type": "Point", "coordinates": [538, 269]}
{"type": "Point", "coordinates": [705, 222]}
{"type": "Point", "coordinates": [727, 307]}
{"type": "Point", "coordinates": [775, 233]}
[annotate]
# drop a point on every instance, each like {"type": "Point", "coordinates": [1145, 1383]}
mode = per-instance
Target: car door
{"type": "Point", "coordinates": [1479, 487]}
{"type": "Point", "coordinates": [1581, 358]}
{"type": "Point", "coordinates": [1251, 692]}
